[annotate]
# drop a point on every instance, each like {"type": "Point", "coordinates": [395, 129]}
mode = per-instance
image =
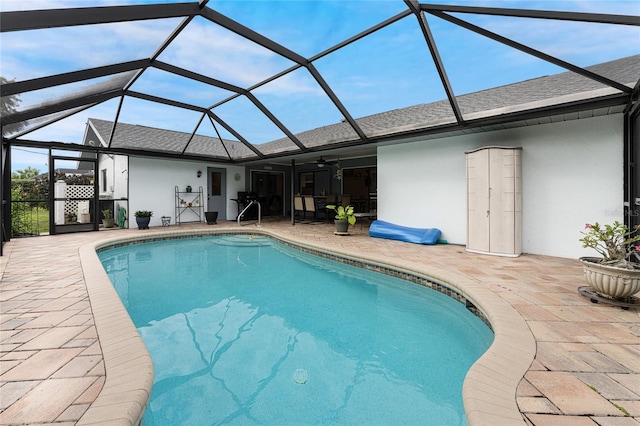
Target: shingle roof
{"type": "Point", "coordinates": [521, 96]}
{"type": "Point", "coordinates": [133, 136]}
{"type": "Point", "coordinates": [550, 89]}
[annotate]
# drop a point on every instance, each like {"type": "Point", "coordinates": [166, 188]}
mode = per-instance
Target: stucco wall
{"type": "Point", "coordinates": [572, 174]}
{"type": "Point", "coordinates": [152, 185]}
{"type": "Point", "coordinates": [116, 167]}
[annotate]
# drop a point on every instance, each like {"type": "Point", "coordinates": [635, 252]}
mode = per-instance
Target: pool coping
{"type": "Point", "coordinates": [489, 389]}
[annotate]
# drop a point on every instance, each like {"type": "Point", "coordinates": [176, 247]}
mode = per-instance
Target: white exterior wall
{"type": "Point", "coordinates": [121, 176]}
{"type": "Point", "coordinates": [106, 163]}
{"type": "Point", "coordinates": [117, 175]}
{"type": "Point", "coordinates": [152, 185]}
{"type": "Point", "coordinates": [572, 174]}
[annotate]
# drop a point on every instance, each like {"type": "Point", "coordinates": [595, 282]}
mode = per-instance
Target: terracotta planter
{"type": "Point", "coordinates": [610, 281]}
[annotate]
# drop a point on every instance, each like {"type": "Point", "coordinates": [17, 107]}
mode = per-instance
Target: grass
{"type": "Point", "coordinates": [42, 219]}
{"type": "Point", "coordinates": [30, 221]}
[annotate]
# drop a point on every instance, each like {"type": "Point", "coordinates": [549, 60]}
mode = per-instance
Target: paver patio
{"type": "Point", "coordinates": [586, 369]}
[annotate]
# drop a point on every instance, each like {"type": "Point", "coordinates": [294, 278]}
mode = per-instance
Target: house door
{"type": "Point", "coordinates": [362, 185]}
{"type": "Point", "coordinates": [269, 186]}
{"type": "Point", "coordinates": [74, 204]}
{"type": "Point", "coordinates": [217, 192]}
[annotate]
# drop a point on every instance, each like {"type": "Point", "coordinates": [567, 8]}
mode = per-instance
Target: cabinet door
{"type": "Point", "coordinates": [503, 175]}
{"type": "Point", "coordinates": [478, 200]}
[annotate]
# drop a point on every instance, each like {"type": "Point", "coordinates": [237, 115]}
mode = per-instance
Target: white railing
{"type": "Point", "coordinates": [247, 208]}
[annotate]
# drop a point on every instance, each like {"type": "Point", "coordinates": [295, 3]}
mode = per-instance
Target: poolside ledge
{"type": "Point", "coordinates": [128, 365]}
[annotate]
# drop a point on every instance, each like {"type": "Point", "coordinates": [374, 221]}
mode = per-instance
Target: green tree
{"type": "Point", "coordinates": [28, 173]}
{"type": "Point", "coordinates": [29, 206]}
{"type": "Point", "coordinates": [8, 106]}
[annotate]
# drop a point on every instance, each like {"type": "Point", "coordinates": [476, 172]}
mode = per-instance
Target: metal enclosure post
{"type": "Point", "coordinates": [293, 189]}
{"type": "Point", "coordinates": [631, 159]}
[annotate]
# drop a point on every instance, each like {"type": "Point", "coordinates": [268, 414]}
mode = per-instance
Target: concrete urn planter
{"type": "Point", "coordinates": [610, 281]}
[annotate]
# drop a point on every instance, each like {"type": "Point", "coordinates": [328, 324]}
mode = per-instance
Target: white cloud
{"type": "Point", "coordinates": [22, 158]}
{"type": "Point", "coordinates": [12, 5]}
{"type": "Point", "coordinates": [32, 54]}
{"type": "Point", "coordinates": [71, 129]}
{"type": "Point", "coordinates": [584, 43]}
{"type": "Point", "coordinates": [217, 53]}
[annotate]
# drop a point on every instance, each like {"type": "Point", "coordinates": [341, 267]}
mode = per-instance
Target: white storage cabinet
{"type": "Point", "coordinates": [494, 201]}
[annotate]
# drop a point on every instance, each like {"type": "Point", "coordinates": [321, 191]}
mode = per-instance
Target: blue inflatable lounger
{"type": "Point", "coordinates": [390, 231]}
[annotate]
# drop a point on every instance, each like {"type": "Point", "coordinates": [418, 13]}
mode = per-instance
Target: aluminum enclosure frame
{"type": "Point", "coordinates": [56, 18]}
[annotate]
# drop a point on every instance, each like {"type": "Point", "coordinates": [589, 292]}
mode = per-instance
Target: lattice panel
{"type": "Point", "coordinates": [76, 191]}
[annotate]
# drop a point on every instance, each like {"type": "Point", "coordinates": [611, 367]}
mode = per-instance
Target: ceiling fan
{"type": "Point", "coordinates": [321, 162]}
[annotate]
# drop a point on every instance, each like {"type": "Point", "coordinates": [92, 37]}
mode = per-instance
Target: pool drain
{"type": "Point", "coordinates": [300, 376]}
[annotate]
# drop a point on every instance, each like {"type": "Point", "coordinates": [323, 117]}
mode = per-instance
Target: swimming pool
{"type": "Point", "coordinates": [304, 341]}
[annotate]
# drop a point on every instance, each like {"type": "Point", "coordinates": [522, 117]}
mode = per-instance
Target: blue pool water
{"type": "Point", "coordinates": [248, 331]}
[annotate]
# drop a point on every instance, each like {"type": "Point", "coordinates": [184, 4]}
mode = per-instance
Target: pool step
{"type": "Point", "coordinates": [241, 240]}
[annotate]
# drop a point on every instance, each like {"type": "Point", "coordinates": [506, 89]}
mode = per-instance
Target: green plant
{"type": "Point", "coordinates": [625, 412]}
{"type": "Point", "coordinates": [107, 214]}
{"type": "Point", "coordinates": [343, 213]}
{"type": "Point", "coordinates": [143, 213]}
{"type": "Point", "coordinates": [616, 243]}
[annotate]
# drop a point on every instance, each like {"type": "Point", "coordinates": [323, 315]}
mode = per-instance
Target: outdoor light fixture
{"type": "Point", "coordinates": [199, 173]}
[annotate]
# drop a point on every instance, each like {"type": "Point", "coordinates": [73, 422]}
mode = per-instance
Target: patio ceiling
{"type": "Point", "coordinates": [226, 79]}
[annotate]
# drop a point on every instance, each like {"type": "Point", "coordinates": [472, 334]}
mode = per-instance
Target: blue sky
{"type": "Point", "coordinates": [388, 70]}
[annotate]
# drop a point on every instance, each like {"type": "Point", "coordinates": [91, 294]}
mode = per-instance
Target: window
{"type": "Point", "coordinates": [216, 183]}
{"type": "Point", "coordinates": [306, 183]}
{"type": "Point", "coordinates": [103, 180]}
{"type": "Point", "coordinates": [362, 184]}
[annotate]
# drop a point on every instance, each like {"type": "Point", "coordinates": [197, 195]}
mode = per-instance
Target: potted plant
{"type": "Point", "coordinates": [613, 275]}
{"type": "Point", "coordinates": [344, 217]}
{"type": "Point", "coordinates": [211, 217]}
{"type": "Point", "coordinates": [142, 218]}
{"type": "Point", "coordinates": [107, 219]}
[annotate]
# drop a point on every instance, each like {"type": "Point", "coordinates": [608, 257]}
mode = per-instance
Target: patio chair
{"type": "Point", "coordinates": [310, 205]}
{"type": "Point", "coordinates": [298, 205]}
{"type": "Point", "coordinates": [331, 200]}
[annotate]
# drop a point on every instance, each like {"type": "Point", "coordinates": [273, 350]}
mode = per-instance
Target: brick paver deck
{"type": "Point", "coordinates": [584, 368]}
